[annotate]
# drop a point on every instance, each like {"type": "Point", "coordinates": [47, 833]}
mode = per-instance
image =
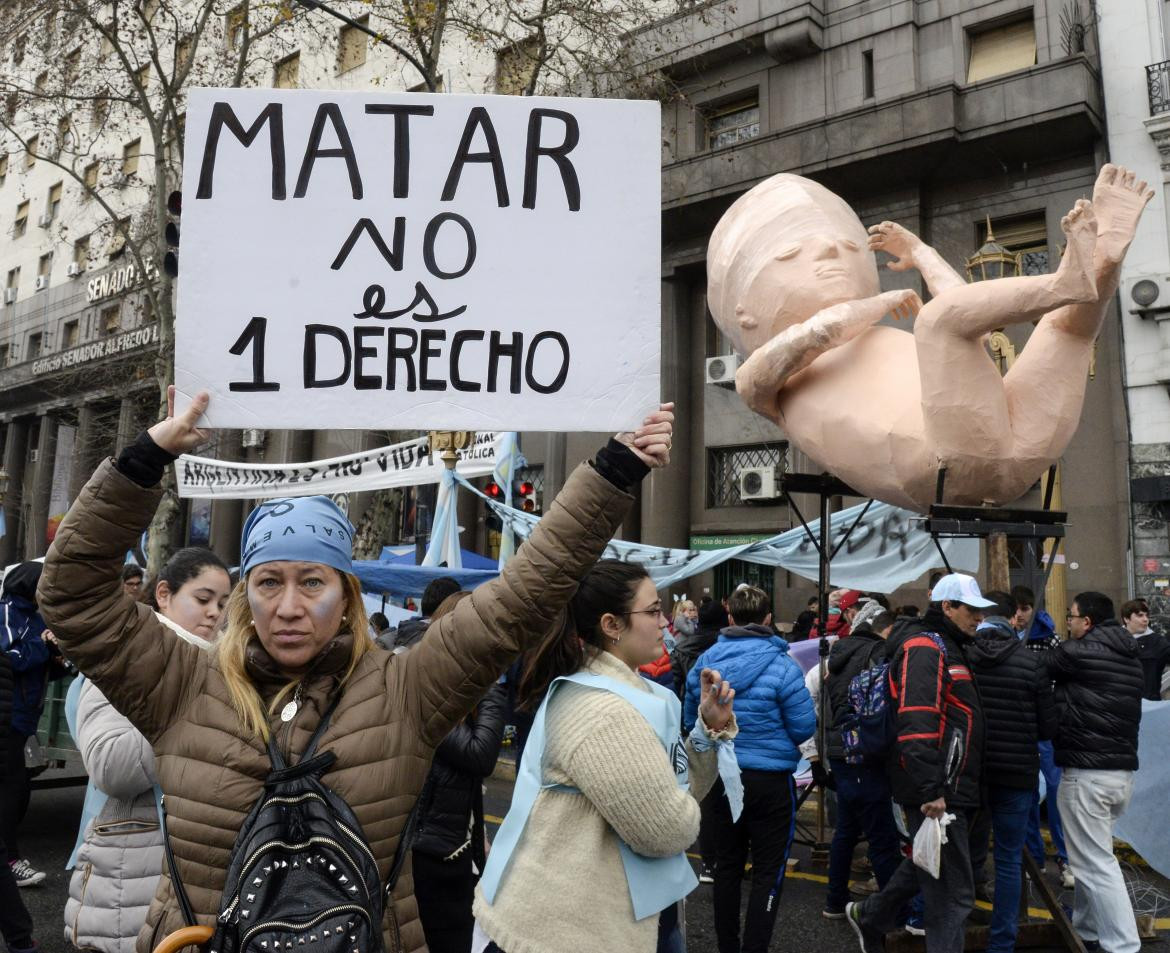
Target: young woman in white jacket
{"type": "Point", "coordinates": [120, 857]}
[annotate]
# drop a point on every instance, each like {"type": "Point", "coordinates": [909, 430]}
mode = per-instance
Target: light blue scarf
{"type": "Point", "coordinates": [654, 882]}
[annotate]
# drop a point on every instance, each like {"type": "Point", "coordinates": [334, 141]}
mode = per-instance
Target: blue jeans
{"type": "Point", "coordinates": [1010, 809]}
{"type": "Point", "coordinates": [863, 806]}
{"type": "Point", "coordinates": [1035, 842]}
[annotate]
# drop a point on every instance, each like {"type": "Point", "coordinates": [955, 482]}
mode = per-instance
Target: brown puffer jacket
{"type": "Point", "coordinates": [393, 711]}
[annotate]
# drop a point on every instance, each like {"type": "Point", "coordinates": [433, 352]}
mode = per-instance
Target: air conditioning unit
{"type": "Point", "coordinates": [42, 282]}
{"type": "Point", "coordinates": [10, 296]}
{"type": "Point", "coordinates": [1147, 295]}
{"type": "Point", "coordinates": [253, 439]}
{"type": "Point", "coordinates": [45, 220]}
{"type": "Point", "coordinates": [758, 483]}
{"type": "Point", "coordinates": [721, 370]}
{"type": "Point", "coordinates": [73, 270]}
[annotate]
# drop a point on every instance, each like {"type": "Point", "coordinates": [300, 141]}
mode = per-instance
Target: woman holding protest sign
{"type": "Point", "coordinates": [292, 755]}
{"type": "Point", "coordinates": [607, 794]}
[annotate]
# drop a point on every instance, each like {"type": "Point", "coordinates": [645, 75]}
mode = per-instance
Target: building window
{"type": "Point", "coordinates": [110, 321]}
{"type": "Point", "coordinates": [1026, 236]}
{"type": "Point", "coordinates": [867, 74]}
{"type": "Point", "coordinates": [70, 334]}
{"type": "Point", "coordinates": [81, 253]}
{"type": "Point", "coordinates": [101, 112]}
{"type": "Point", "coordinates": [105, 49]}
{"type": "Point", "coordinates": [234, 25]}
{"type": "Point", "coordinates": [30, 152]}
{"type": "Point", "coordinates": [118, 239]}
{"type": "Point", "coordinates": [288, 72]}
{"type": "Point", "coordinates": [20, 224]}
{"type": "Point", "coordinates": [352, 46]}
{"type": "Point", "coordinates": [44, 270]}
{"type": "Point", "coordinates": [1004, 49]}
{"type": "Point", "coordinates": [41, 83]}
{"type": "Point", "coordinates": [91, 180]}
{"type": "Point", "coordinates": [183, 53]}
{"type": "Point", "coordinates": [73, 66]}
{"type": "Point", "coordinates": [13, 282]}
{"type": "Point", "coordinates": [725, 463]}
{"type": "Point", "coordinates": [130, 154]}
{"type": "Point", "coordinates": [64, 139]}
{"type": "Point", "coordinates": [142, 77]}
{"type": "Point", "coordinates": [5, 355]}
{"type": "Point", "coordinates": [149, 9]}
{"type": "Point", "coordinates": [516, 65]}
{"type": "Point", "coordinates": [54, 203]}
{"type": "Point", "coordinates": [3, 169]}
{"type": "Point", "coordinates": [34, 346]}
{"type": "Point", "coordinates": [732, 573]}
{"type": "Point", "coordinates": [733, 122]}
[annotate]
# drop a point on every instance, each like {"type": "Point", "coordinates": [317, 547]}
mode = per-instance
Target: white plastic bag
{"type": "Point", "coordinates": [928, 843]}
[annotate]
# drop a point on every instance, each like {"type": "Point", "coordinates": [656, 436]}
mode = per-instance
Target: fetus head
{"type": "Point", "coordinates": [784, 251]}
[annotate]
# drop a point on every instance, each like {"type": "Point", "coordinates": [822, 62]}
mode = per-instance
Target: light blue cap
{"type": "Point", "coordinates": [308, 529]}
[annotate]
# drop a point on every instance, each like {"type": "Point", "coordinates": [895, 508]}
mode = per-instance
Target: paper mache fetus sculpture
{"type": "Point", "coordinates": [793, 284]}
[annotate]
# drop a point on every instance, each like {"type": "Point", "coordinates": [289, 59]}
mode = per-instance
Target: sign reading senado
{"type": "Point", "coordinates": [96, 350]}
{"type": "Point", "coordinates": [118, 280]}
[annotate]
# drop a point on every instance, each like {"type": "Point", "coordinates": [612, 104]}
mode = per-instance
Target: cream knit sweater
{"type": "Point", "coordinates": [566, 890]}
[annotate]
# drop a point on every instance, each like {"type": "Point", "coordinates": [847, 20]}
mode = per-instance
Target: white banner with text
{"type": "Point", "coordinates": [402, 464]}
{"type": "Point", "coordinates": [375, 260]}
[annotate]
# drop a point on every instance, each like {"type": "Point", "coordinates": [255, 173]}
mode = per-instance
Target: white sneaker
{"type": "Point", "coordinates": [1067, 880]}
{"type": "Point", "coordinates": [25, 874]}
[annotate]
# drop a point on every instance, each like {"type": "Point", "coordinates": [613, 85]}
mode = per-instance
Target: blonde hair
{"type": "Point", "coordinates": [682, 607]}
{"type": "Point", "coordinates": [232, 648]}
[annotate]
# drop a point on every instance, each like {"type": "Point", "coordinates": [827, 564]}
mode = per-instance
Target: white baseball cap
{"type": "Point", "coordinates": [959, 588]}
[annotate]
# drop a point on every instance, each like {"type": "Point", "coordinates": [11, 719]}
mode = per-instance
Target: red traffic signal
{"type": "Point", "coordinates": [494, 490]}
{"type": "Point", "coordinates": [526, 489]}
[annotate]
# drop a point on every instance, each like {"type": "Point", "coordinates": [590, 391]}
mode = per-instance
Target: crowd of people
{"type": "Point", "coordinates": [215, 715]}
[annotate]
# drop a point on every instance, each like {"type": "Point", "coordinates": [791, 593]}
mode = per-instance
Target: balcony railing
{"type": "Point", "coordinates": [1158, 84]}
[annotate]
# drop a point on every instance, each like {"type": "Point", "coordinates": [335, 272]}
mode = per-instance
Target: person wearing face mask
{"type": "Point", "coordinates": [119, 855]}
{"type": "Point", "coordinates": [295, 674]}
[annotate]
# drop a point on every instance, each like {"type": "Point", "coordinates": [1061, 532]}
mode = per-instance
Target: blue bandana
{"type": "Point", "coordinates": [309, 529]}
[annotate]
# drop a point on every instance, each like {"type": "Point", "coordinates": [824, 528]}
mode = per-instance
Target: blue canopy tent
{"type": "Point", "coordinates": [403, 579]}
{"type": "Point", "coordinates": [404, 556]}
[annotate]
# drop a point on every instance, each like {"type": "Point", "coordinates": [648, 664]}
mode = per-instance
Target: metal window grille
{"type": "Point", "coordinates": [1158, 85]}
{"type": "Point", "coordinates": [724, 464]}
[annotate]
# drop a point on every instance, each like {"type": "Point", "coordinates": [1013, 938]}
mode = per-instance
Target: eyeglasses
{"type": "Point", "coordinates": [653, 610]}
{"type": "Point", "coordinates": [1073, 615]}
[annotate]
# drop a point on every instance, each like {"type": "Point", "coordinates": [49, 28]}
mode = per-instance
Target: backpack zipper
{"type": "Point", "coordinates": [304, 925]}
{"type": "Point", "coordinates": [352, 835]}
{"type": "Point", "coordinates": [246, 870]}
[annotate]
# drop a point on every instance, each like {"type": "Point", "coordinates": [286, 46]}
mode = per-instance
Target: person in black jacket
{"type": "Point", "coordinates": [1099, 684]}
{"type": "Point", "coordinates": [16, 924]}
{"type": "Point", "coordinates": [1153, 648]}
{"type": "Point", "coordinates": [448, 852]}
{"type": "Point", "coordinates": [1017, 702]}
{"type": "Point", "coordinates": [863, 791]}
{"type": "Point", "coordinates": [934, 765]}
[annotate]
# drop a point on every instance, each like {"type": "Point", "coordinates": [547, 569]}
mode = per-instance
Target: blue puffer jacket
{"type": "Point", "coordinates": [772, 706]}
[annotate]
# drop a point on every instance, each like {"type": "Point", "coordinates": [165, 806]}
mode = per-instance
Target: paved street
{"type": "Point", "coordinates": [51, 827]}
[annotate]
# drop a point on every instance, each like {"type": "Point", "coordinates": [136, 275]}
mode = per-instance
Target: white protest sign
{"type": "Point", "coordinates": [371, 260]}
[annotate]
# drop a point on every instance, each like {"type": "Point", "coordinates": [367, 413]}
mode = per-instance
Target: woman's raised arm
{"type": "Point", "coordinates": [465, 651]}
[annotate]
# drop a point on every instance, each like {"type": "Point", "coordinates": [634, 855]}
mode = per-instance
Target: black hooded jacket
{"type": "Point", "coordinates": [7, 688]}
{"type": "Point", "coordinates": [451, 812]}
{"type": "Point", "coordinates": [939, 749]}
{"type": "Point", "coordinates": [847, 658]}
{"type": "Point", "coordinates": [1017, 704]}
{"type": "Point", "coordinates": [1099, 684]}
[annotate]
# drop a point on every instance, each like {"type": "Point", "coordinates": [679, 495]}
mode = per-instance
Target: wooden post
{"type": "Point", "coordinates": [998, 575]}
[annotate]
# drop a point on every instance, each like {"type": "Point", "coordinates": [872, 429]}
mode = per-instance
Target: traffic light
{"type": "Point", "coordinates": [524, 497]}
{"type": "Point", "coordinates": [494, 491]}
{"type": "Point", "coordinates": [174, 209]}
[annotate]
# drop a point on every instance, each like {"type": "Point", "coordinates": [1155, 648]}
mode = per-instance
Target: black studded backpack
{"type": "Point", "coordinates": [301, 876]}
